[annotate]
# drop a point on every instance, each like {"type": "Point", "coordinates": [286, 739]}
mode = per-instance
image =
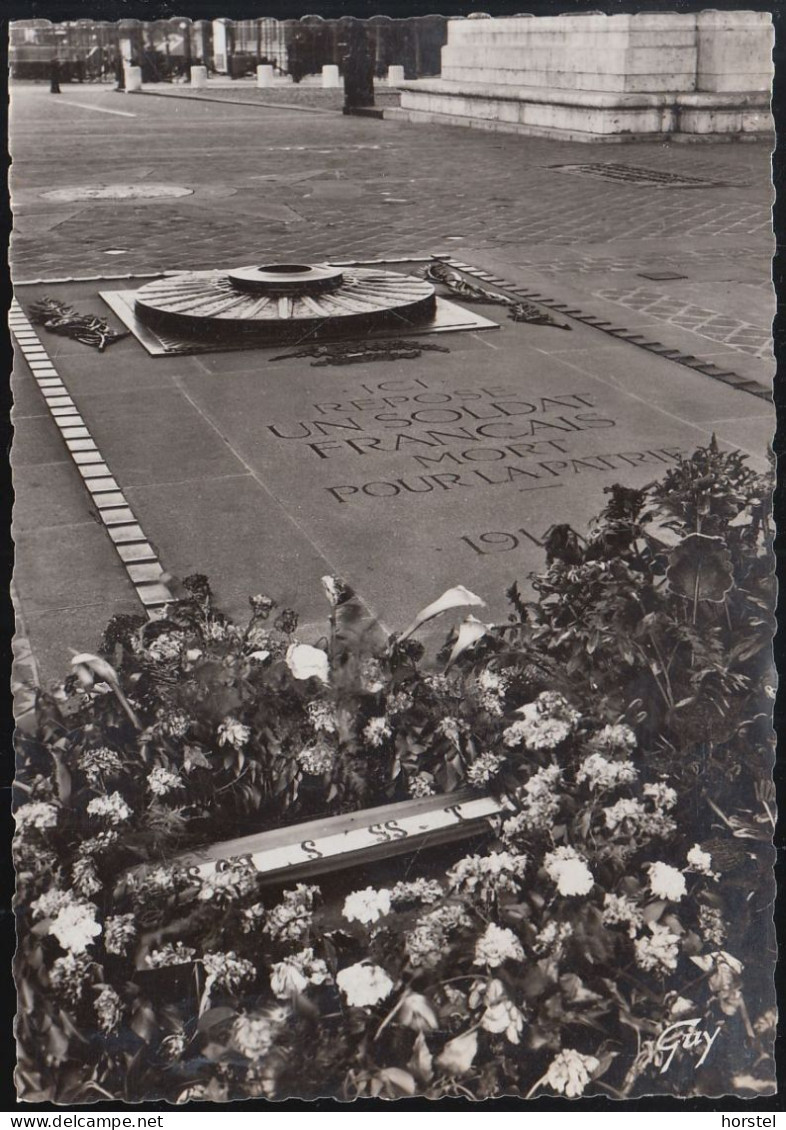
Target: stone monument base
{"type": "Point", "coordinates": [588, 115]}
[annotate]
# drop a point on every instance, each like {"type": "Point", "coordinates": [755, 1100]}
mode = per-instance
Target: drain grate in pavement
{"type": "Point", "coordinates": [635, 174]}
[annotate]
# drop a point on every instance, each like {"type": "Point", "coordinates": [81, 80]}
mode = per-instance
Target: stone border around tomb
{"type": "Point", "coordinates": [707, 369]}
{"type": "Point", "coordinates": [139, 559]}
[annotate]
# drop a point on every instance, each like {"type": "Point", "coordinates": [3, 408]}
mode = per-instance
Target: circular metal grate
{"type": "Point", "coordinates": [283, 301]}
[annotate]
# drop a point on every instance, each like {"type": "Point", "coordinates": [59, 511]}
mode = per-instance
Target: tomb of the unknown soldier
{"type": "Point", "coordinates": [393, 575]}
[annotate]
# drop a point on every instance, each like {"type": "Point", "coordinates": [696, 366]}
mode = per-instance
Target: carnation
{"type": "Point", "coordinates": [496, 945]}
{"type": "Point", "coordinates": [366, 906]}
{"type": "Point", "coordinates": [569, 871]}
{"type": "Point", "coordinates": [570, 1072]}
{"type": "Point", "coordinates": [666, 882]}
{"type": "Point", "coordinates": [700, 860]}
{"type": "Point", "coordinates": [364, 984]}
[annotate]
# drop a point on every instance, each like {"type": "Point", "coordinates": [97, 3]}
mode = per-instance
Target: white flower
{"type": "Point", "coordinates": [75, 926]}
{"type": "Point", "coordinates": [89, 667]}
{"type": "Point", "coordinates": [662, 795]}
{"type": "Point", "coordinates": [623, 810]}
{"type": "Point", "coordinates": [366, 906]}
{"type": "Point", "coordinates": [227, 970]}
{"type": "Point", "coordinates": [569, 871]}
{"type": "Point", "coordinates": [495, 945]}
{"type": "Point", "coordinates": [570, 1072]}
{"type": "Point", "coordinates": [164, 647]}
{"type": "Point", "coordinates": [306, 662]}
{"type": "Point", "coordinates": [619, 909]}
{"type": "Point", "coordinates": [545, 723]}
{"type": "Point", "coordinates": [600, 773]}
{"type": "Point", "coordinates": [457, 597]}
{"type": "Point", "coordinates": [294, 974]}
{"type": "Point", "coordinates": [119, 932]}
{"type": "Point", "coordinates": [253, 1036]}
{"type": "Point", "coordinates": [660, 953]}
{"type": "Point", "coordinates": [109, 1009]}
{"type": "Point", "coordinates": [233, 733]}
{"type": "Point", "coordinates": [38, 815]}
{"type": "Point", "coordinates": [161, 781]}
{"type": "Point", "coordinates": [376, 731]}
{"type": "Point", "coordinates": [666, 882]}
{"type": "Point", "coordinates": [618, 738]}
{"type": "Point", "coordinates": [458, 1054]}
{"type": "Point", "coordinates": [316, 760]}
{"type": "Point", "coordinates": [483, 768]}
{"type": "Point", "coordinates": [415, 1012]}
{"type": "Point", "coordinates": [364, 984]}
{"type": "Point", "coordinates": [334, 588]}
{"type": "Point", "coordinates": [95, 762]}
{"type": "Point", "coordinates": [501, 1014]}
{"type": "Point", "coordinates": [422, 784]}
{"type": "Point", "coordinates": [469, 633]}
{"type": "Point", "coordinates": [322, 717]}
{"type": "Point", "coordinates": [50, 902]}
{"type": "Point", "coordinates": [112, 808]}
{"type": "Point", "coordinates": [700, 860]}
{"type": "Point", "coordinates": [681, 1006]}
{"type": "Point", "coordinates": [176, 954]}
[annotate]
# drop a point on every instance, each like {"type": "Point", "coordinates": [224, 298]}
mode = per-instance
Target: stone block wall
{"type": "Point", "coordinates": [616, 77]}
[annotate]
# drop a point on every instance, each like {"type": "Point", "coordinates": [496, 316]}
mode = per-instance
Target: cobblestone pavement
{"type": "Point", "coordinates": [272, 182]}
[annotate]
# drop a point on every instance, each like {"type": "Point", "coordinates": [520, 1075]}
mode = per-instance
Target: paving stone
{"type": "Point", "coordinates": [76, 566]}
{"type": "Point", "coordinates": [37, 440]}
{"type": "Point", "coordinates": [48, 495]}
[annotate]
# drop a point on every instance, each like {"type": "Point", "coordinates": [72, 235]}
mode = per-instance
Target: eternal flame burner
{"type": "Point", "coordinates": [284, 302]}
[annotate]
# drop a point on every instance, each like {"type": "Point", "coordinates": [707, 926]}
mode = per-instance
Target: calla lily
{"type": "Point", "coordinates": [458, 1054]}
{"type": "Point", "coordinates": [89, 667]}
{"type": "Point", "coordinates": [416, 1012]}
{"type": "Point", "coordinates": [421, 1063]}
{"type": "Point", "coordinates": [306, 662]}
{"type": "Point", "coordinates": [457, 597]}
{"type": "Point", "coordinates": [469, 633]}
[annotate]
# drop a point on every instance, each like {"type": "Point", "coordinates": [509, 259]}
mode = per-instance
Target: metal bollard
{"type": "Point", "coordinates": [330, 77]}
{"type": "Point", "coordinates": [264, 74]}
{"type": "Point", "coordinates": [198, 76]}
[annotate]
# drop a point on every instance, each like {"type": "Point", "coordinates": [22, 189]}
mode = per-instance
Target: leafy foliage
{"type": "Point", "coordinates": [624, 716]}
